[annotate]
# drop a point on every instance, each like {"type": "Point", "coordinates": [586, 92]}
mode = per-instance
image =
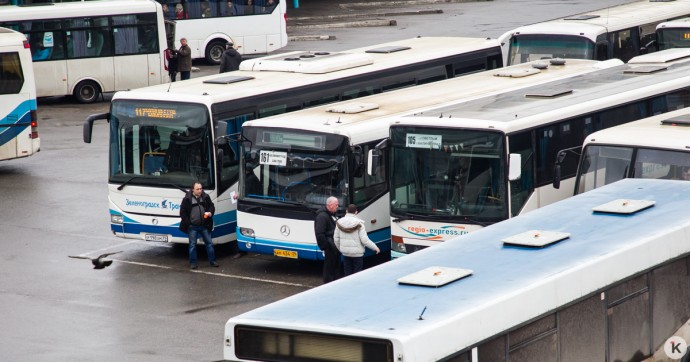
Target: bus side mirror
{"type": "Point", "coordinates": [374, 156]}
{"type": "Point", "coordinates": [514, 167]}
{"type": "Point", "coordinates": [88, 124]}
{"type": "Point", "coordinates": [560, 156]}
{"type": "Point", "coordinates": [219, 160]}
{"type": "Point", "coordinates": [373, 161]}
{"type": "Point", "coordinates": [221, 133]}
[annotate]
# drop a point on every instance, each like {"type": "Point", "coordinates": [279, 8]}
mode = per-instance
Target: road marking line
{"type": "Point", "coordinates": [217, 274]}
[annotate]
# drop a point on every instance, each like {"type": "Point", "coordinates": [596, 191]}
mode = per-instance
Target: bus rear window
{"type": "Point", "coordinates": [11, 76]}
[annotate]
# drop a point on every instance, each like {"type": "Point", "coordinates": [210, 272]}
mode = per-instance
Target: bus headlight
{"type": "Point", "coordinates": [116, 219]}
{"type": "Point", "coordinates": [398, 245]}
{"type": "Point", "coordinates": [247, 232]}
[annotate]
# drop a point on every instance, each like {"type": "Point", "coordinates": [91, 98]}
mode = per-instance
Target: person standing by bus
{"type": "Point", "coordinates": [351, 239]}
{"type": "Point", "coordinates": [196, 214]}
{"type": "Point", "coordinates": [184, 59]}
{"type": "Point", "coordinates": [171, 56]}
{"type": "Point", "coordinates": [324, 227]}
{"type": "Point", "coordinates": [231, 59]}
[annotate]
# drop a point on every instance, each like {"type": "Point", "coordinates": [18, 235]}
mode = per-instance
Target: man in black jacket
{"type": "Point", "coordinates": [196, 212]}
{"type": "Point", "coordinates": [230, 60]}
{"type": "Point", "coordinates": [324, 227]}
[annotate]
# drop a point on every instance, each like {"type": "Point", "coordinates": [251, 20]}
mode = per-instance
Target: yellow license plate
{"type": "Point", "coordinates": [285, 253]}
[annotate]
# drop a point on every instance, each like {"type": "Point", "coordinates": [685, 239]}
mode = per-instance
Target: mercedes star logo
{"type": "Point", "coordinates": [285, 230]}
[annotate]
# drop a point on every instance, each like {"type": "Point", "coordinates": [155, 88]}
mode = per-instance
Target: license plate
{"type": "Point", "coordinates": [285, 253]}
{"type": "Point", "coordinates": [155, 237]}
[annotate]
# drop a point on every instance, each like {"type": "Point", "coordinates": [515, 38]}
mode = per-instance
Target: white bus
{"type": "Point", "coordinates": [167, 136]}
{"type": "Point", "coordinates": [621, 32]}
{"type": "Point", "coordinates": [255, 27]}
{"type": "Point", "coordinates": [87, 48]}
{"type": "Point", "coordinates": [295, 161]}
{"type": "Point", "coordinates": [456, 169]}
{"type": "Point", "coordinates": [584, 279]}
{"type": "Point", "coordinates": [673, 34]}
{"type": "Point", "coordinates": [656, 147]}
{"type": "Point", "coordinates": [18, 120]}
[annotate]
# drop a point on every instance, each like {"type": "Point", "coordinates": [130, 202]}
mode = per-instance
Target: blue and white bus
{"type": "Point", "coordinates": [18, 120]}
{"type": "Point", "coordinates": [301, 158]}
{"type": "Point", "coordinates": [489, 159]}
{"type": "Point", "coordinates": [602, 276]}
{"type": "Point", "coordinates": [165, 137]}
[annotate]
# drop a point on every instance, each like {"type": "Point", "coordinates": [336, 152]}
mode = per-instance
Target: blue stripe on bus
{"type": "Point", "coordinates": [20, 124]}
{"type": "Point", "coordinates": [305, 251]}
{"type": "Point", "coordinates": [225, 224]}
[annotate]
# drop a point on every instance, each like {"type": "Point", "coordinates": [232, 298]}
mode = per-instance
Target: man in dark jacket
{"type": "Point", "coordinates": [184, 60]}
{"type": "Point", "coordinates": [230, 60]}
{"type": "Point", "coordinates": [196, 213]}
{"type": "Point", "coordinates": [324, 227]}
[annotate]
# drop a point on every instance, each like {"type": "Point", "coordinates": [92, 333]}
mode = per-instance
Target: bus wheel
{"type": "Point", "coordinates": [214, 51]}
{"type": "Point", "coordinates": [87, 91]}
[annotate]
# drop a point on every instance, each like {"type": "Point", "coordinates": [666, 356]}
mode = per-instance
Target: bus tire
{"type": "Point", "coordinates": [214, 51]}
{"type": "Point", "coordinates": [87, 91]}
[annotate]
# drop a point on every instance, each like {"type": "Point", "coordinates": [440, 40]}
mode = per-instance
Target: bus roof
{"type": "Point", "coordinates": [536, 105]}
{"type": "Point", "coordinates": [677, 23]}
{"type": "Point", "coordinates": [9, 37]}
{"type": "Point", "coordinates": [613, 18]}
{"type": "Point", "coordinates": [220, 88]}
{"type": "Point", "coordinates": [74, 9]}
{"type": "Point", "coordinates": [510, 285]}
{"type": "Point", "coordinates": [363, 110]}
{"type": "Point", "coordinates": [672, 134]}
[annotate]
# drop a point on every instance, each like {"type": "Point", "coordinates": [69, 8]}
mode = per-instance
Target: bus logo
{"type": "Point", "coordinates": [285, 230]}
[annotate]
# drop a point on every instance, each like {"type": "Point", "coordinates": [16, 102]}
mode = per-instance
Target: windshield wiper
{"type": "Point", "coordinates": [119, 188]}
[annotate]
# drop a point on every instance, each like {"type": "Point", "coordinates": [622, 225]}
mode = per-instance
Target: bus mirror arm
{"type": "Point", "coordinates": [560, 157]}
{"type": "Point", "coordinates": [219, 162]}
{"type": "Point", "coordinates": [88, 124]}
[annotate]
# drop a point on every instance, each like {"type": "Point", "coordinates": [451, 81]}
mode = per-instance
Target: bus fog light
{"type": "Point", "coordinates": [247, 232]}
{"type": "Point", "coordinates": [116, 219]}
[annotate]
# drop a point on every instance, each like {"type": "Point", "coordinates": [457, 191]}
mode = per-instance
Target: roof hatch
{"type": "Point", "coordinates": [645, 69]}
{"type": "Point", "coordinates": [682, 120]}
{"type": "Point", "coordinates": [664, 56]}
{"type": "Point", "coordinates": [353, 108]}
{"type": "Point", "coordinates": [582, 17]}
{"type": "Point", "coordinates": [536, 238]}
{"type": "Point", "coordinates": [435, 276]}
{"type": "Point", "coordinates": [388, 49]}
{"type": "Point", "coordinates": [308, 62]}
{"type": "Point", "coordinates": [623, 206]}
{"type": "Point", "coordinates": [517, 73]}
{"type": "Point", "coordinates": [548, 93]}
{"type": "Point", "coordinates": [228, 79]}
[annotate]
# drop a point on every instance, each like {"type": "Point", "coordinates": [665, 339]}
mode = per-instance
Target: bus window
{"type": "Point", "coordinates": [11, 76]}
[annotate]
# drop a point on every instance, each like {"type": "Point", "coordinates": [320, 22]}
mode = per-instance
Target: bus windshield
{"type": "Point", "coordinates": [450, 173]}
{"type": "Point", "coordinates": [525, 48]}
{"type": "Point", "coordinates": [277, 169]}
{"type": "Point", "coordinates": [669, 38]}
{"type": "Point", "coordinates": [602, 165]}
{"type": "Point", "coordinates": [161, 144]}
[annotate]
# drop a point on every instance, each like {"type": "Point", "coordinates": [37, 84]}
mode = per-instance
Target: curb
{"type": "Point", "coordinates": [348, 24]}
{"type": "Point", "coordinates": [310, 37]}
{"type": "Point", "coordinates": [371, 15]}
